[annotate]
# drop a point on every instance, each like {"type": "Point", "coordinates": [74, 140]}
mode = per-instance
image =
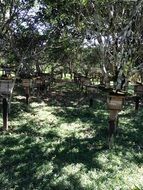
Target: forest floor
{"type": "Point", "coordinates": [58, 142]}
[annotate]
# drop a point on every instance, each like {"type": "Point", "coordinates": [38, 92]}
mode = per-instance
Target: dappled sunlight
{"type": "Point", "coordinates": [71, 95]}
{"type": "Point", "coordinates": [66, 147]}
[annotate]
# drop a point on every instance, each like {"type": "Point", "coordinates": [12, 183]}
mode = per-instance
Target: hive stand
{"type": "Point", "coordinates": [6, 88]}
{"type": "Point", "coordinates": [114, 105]}
{"type": "Point", "coordinates": [26, 84]}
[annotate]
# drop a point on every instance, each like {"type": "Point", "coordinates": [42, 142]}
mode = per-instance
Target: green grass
{"type": "Point", "coordinates": [62, 145]}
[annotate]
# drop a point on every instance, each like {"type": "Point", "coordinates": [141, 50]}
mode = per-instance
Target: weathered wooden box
{"type": "Point", "coordinates": [92, 89]}
{"type": "Point", "coordinates": [138, 89]}
{"type": "Point", "coordinates": [26, 82]}
{"type": "Point", "coordinates": [6, 86]}
{"type": "Point", "coordinates": [7, 69]}
{"type": "Point", "coordinates": [115, 102]}
{"type": "Point", "coordinates": [38, 81]}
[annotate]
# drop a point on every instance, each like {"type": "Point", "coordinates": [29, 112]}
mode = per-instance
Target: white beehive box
{"type": "Point", "coordinates": [6, 86]}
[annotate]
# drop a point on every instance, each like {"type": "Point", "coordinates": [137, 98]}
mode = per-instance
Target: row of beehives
{"type": "Point", "coordinates": [81, 80]}
{"type": "Point", "coordinates": [7, 85]}
{"type": "Point", "coordinates": [114, 100]}
{"type": "Point", "coordinates": [6, 88]}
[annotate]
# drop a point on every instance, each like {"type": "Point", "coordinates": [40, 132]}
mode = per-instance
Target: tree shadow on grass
{"type": "Point", "coordinates": [132, 126]}
{"type": "Point", "coordinates": [19, 166]}
{"type": "Point", "coordinates": [21, 161]}
{"type": "Point", "coordinates": [75, 99]}
{"type": "Point", "coordinates": [130, 136]}
{"type": "Point", "coordinates": [74, 150]}
{"type": "Point", "coordinates": [67, 94]}
{"type": "Point", "coordinates": [66, 99]}
{"type": "Point", "coordinates": [21, 155]}
{"type": "Point", "coordinates": [16, 108]}
{"type": "Point", "coordinates": [85, 114]}
{"type": "Point", "coordinates": [27, 152]}
{"type": "Point", "coordinates": [31, 159]}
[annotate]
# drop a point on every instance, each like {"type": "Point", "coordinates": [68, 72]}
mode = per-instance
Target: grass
{"type": "Point", "coordinates": [61, 144]}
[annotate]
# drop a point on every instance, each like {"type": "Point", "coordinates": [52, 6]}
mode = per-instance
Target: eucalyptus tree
{"type": "Point", "coordinates": [112, 28]}
{"type": "Point", "coordinates": [50, 33]}
{"type": "Point", "coordinates": [105, 25]}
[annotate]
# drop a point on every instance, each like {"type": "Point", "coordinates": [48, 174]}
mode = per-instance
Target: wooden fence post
{"type": "Point", "coordinates": [5, 114]}
{"type": "Point", "coordinates": [27, 95]}
{"type": "Point", "coordinates": [137, 103]}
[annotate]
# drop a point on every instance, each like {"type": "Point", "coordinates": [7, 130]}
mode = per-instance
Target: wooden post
{"type": "Point", "coordinates": [113, 124]}
{"type": "Point", "coordinates": [112, 128]}
{"type": "Point", "coordinates": [38, 90]}
{"type": "Point", "coordinates": [138, 89]}
{"type": "Point", "coordinates": [27, 95]}
{"type": "Point", "coordinates": [114, 103]}
{"type": "Point", "coordinates": [137, 99]}
{"type": "Point", "coordinates": [5, 114]}
{"type": "Point", "coordinates": [26, 85]}
{"type": "Point", "coordinates": [91, 102]}
{"type": "Point", "coordinates": [113, 116]}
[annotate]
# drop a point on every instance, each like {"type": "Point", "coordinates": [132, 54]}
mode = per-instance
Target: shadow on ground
{"type": "Point", "coordinates": [34, 159]}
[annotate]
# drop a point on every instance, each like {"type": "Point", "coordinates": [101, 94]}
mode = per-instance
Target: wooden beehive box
{"type": "Point", "coordinates": [39, 81]}
{"type": "Point", "coordinates": [7, 69]}
{"type": "Point", "coordinates": [115, 102]}
{"type": "Point", "coordinates": [6, 86]}
{"type": "Point", "coordinates": [26, 82]}
{"type": "Point", "coordinates": [138, 89]}
{"type": "Point", "coordinates": [92, 89]}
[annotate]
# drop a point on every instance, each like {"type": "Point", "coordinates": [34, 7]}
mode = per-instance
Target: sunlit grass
{"type": "Point", "coordinates": [66, 148]}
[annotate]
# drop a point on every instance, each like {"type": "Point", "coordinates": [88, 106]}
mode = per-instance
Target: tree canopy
{"type": "Point", "coordinates": [45, 33]}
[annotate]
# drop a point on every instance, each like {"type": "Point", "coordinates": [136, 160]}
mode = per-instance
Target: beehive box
{"type": "Point", "coordinates": [39, 81]}
{"type": "Point", "coordinates": [26, 82]}
{"type": "Point", "coordinates": [7, 70]}
{"type": "Point", "coordinates": [138, 89]}
{"type": "Point", "coordinates": [115, 102]}
{"type": "Point", "coordinates": [6, 86]}
{"type": "Point", "coordinates": [92, 89]}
